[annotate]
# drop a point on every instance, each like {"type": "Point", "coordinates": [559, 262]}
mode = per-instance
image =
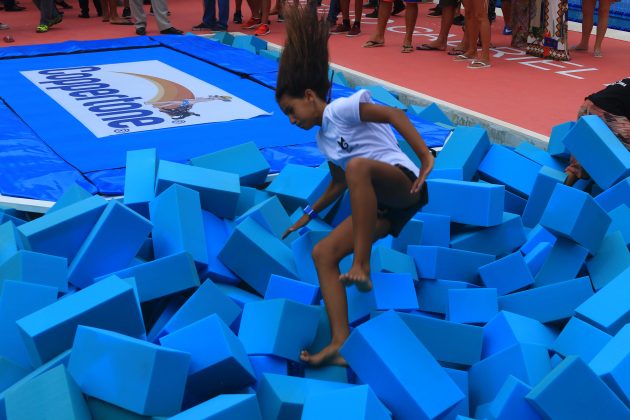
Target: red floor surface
{"type": "Point", "coordinates": [529, 92]}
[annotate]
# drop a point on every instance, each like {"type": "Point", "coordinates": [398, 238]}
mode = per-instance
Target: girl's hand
{"type": "Point", "coordinates": [302, 221]}
{"type": "Point", "coordinates": [417, 184]}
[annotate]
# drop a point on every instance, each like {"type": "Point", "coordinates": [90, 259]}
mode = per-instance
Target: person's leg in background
{"type": "Point", "coordinates": [411, 17]}
{"type": "Point", "coordinates": [588, 17]}
{"type": "Point", "coordinates": [602, 25]}
{"type": "Point", "coordinates": [238, 13]}
{"type": "Point", "coordinates": [506, 8]}
{"type": "Point", "coordinates": [378, 38]}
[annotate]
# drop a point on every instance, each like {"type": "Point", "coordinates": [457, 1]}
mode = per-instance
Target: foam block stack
{"type": "Point", "coordinates": [506, 297]}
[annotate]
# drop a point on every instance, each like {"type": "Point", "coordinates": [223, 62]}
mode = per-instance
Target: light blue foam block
{"type": "Point", "coordinates": [620, 222]}
{"type": "Point", "coordinates": [73, 194]}
{"type": "Point", "coordinates": [507, 329]}
{"type": "Point", "coordinates": [61, 233]}
{"type": "Point", "coordinates": [278, 327]}
{"type": "Point", "coordinates": [269, 214]}
{"type": "Point", "coordinates": [111, 303]}
{"type": "Point", "coordinates": [302, 249]}
{"type": "Point", "coordinates": [51, 392]}
{"type": "Point", "coordinates": [449, 342]}
{"type": "Point", "coordinates": [503, 166]}
{"type": "Point", "coordinates": [238, 295]}
{"type": "Point", "coordinates": [514, 203]}
{"type": "Point", "coordinates": [216, 233]}
{"type": "Point", "coordinates": [473, 203]}
{"type": "Point", "coordinates": [140, 173]}
{"type": "Point", "coordinates": [18, 299]}
{"type": "Point", "coordinates": [411, 234]}
{"type": "Point", "coordinates": [115, 239]}
{"type": "Point", "coordinates": [33, 267]}
{"type": "Point", "coordinates": [178, 224]}
{"type": "Point", "coordinates": [298, 185]}
{"type": "Point", "coordinates": [472, 306]}
{"type": "Point", "coordinates": [355, 403]}
{"type": "Point", "coordinates": [432, 113]}
{"type": "Point", "coordinates": [464, 150]}
{"type": "Point", "coordinates": [609, 308]}
{"type": "Point", "coordinates": [248, 198]}
{"type": "Point", "coordinates": [405, 376]}
{"type": "Point", "coordinates": [218, 362]}
{"type": "Point", "coordinates": [599, 151]}
{"type": "Point", "coordinates": [379, 93]}
{"type": "Point", "coordinates": [579, 338]}
{"type": "Point", "coordinates": [535, 236]}
{"type": "Point", "coordinates": [539, 156]}
{"type": "Point", "coordinates": [433, 294]}
{"type": "Point", "coordinates": [510, 402]}
{"type": "Point", "coordinates": [218, 190]}
{"type": "Point", "coordinates": [162, 277]}
{"type": "Point", "coordinates": [10, 373]}
{"type": "Point", "coordinates": [611, 259]}
{"type": "Point", "coordinates": [266, 255]}
{"type": "Point", "coordinates": [223, 37]}
{"type": "Point", "coordinates": [394, 291]}
{"type": "Point", "coordinates": [270, 54]}
{"type": "Point", "coordinates": [573, 391]}
{"type": "Point", "coordinates": [387, 260]}
{"type": "Point", "coordinates": [544, 185]}
{"type": "Point", "coordinates": [615, 196]}
{"type": "Point", "coordinates": [507, 274]}
{"type": "Point", "coordinates": [249, 43]}
{"type": "Point", "coordinates": [462, 408]}
{"type": "Point", "coordinates": [136, 375]}
{"type": "Point", "coordinates": [497, 240]}
{"type": "Point", "coordinates": [10, 241]}
{"type": "Point", "coordinates": [612, 364]}
{"type": "Point", "coordinates": [564, 261]}
{"type": "Point", "coordinates": [268, 364]}
{"type": "Point", "coordinates": [243, 159]}
{"type": "Point", "coordinates": [556, 145]}
{"type": "Point", "coordinates": [328, 373]}
{"type": "Point", "coordinates": [537, 257]}
{"type": "Point", "coordinates": [434, 262]}
{"type": "Point", "coordinates": [436, 229]}
{"type": "Point", "coordinates": [283, 287]}
{"type": "Point", "coordinates": [533, 303]}
{"type": "Point", "coordinates": [224, 407]}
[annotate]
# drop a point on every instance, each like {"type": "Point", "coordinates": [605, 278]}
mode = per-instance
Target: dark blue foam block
{"type": "Point", "coordinates": [78, 146]}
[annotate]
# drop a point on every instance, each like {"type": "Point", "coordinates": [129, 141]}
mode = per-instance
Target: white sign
{"type": "Point", "coordinates": [138, 96]}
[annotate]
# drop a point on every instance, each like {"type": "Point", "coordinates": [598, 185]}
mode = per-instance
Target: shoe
{"type": "Point", "coordinates": [507, 30]}
{"type": "Point", "coordinates": [262, 30]}
{"type": "Point", "coordinates": [171, 31]}
{"type": "Point", "coordinates": [84, 15]}
{"type": "Point", "coordinates": [141, 30]}
{"type": "Point", "coordinates": [458, 20]}
{"type": "Point", "coordinates": [280, 17]}
{"type": "Point", "coordinates": [217, 27]}
{"type": "Point", "coordinates": [399, 6]}
{"type": "Point", "coordinates": [435, 13]}
{"type": "Point", "coordinates": [342, 28]}
{"type": "Point", "coordinates": [238, 17]}
{"type": "Point", "coordinates": [355, 30]}
{"type": "Point", "coordinates": [14, 8]}
{"type": "Point", "coordinates": [433, 9]}
{"type": "Point", "coordinates": [370, 5]}
{"type": "Point", "coordinates": [252, 23]}
{"type": "Point", "coordinates": [202, 27]}
{"type": "Point", "coordinates": [42, 28]}
{"type": "Point", "coordinates": [373, 14]}
{"type": "Point", "coordinates": [56, 21]}
{"type": "Point", "coordinates": [4, 26]}
{"type": "Point", "coordinates": [64, 5]}
{"type": "Point", "coordinates": [126, 12]}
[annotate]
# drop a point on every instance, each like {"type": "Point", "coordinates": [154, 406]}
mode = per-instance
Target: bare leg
{"type": "Point", "coordinates": [506, 8]}
{"type": "Point", "coordinates": [448, 13]}
{"type": "Point", "coordinates": [602, 26]}
{"type": "Point", "coordinates": [358, 11]}
{"type": "Point", "coordinates": [344, 5]}
{"type": "Point", "coordinates": [384, 12]}
{"type": "Point", "coordinates": [484, 32]}
{"type": "Point", "coordinates": [472, 28]}
{"type": "Point", "coordinates": [411, 16]}
{"type": "Point", "coordinates": [588, 16]}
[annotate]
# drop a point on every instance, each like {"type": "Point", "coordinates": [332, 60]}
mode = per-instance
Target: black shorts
{"type": "Point", "coordinates": [447, 3]}
{"type": "Point", "coordinates": [398, 218]}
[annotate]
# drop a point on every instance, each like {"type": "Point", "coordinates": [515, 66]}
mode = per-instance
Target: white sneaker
{"type": "Point", "coordinates": [4, 26]}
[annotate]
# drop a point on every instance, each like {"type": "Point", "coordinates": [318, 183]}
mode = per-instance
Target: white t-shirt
{"type": "Point", "coordinates": [344, 136]}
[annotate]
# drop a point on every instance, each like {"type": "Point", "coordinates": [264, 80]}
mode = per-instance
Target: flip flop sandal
{"type": "Point", "coordinates": [463, 57]}
{"type": "Point", "coordinates": [478, 64]}
{"type": "Point", "coordinates": [427, 47]}
{"type": "Point", "coordinates": [373, 44]}
{"type": "Point", "coordinates": [456, 52]}
{"type": "Point", "coordinates": [406, 49]}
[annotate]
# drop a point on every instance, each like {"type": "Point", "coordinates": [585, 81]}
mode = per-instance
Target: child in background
{"type": "Point", "coordinates": [386, 188]}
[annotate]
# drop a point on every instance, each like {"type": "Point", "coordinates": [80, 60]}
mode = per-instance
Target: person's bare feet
{"type": "Point", "coordinates": [329, 355]}
{"type": "Point", "coordinates": [359, 277]}
{"type": "Point", "coordinates": [579, 47]}
{"type": "Point", "coordinates": [597, 53]}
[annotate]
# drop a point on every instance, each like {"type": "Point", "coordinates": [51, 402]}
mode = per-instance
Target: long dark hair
{"type": "Point", "coordinates": [304, 61]}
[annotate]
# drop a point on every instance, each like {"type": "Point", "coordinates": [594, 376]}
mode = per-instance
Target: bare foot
{"type": "Point", "coordinates": [579, 47]}
{"type": "Point", "coordinates": [597, 53]}
{"type": "Point", "coordinates": [358, 277]}
{"type": "Point", "coordinates": [329, 355]}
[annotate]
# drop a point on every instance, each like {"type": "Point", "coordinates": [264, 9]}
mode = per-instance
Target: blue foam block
{"type": "Point", "coordinates": [224, 407]}
{"type": "Point", "coordinates": [33, 267]}
{"type": "Point", "coordinates": [244, 159]}
{"type": "Point", "coordinates": [51, 392]}
{"type": "Point", "coordinates": [18, 299]}
{"type": "Point", "coordinates": [278, 327]}
{"type": "Point", "coordinates": [510, 402]}
{"type": "Point", "coordinates": [432, 113]}
{"type": "Point", "coordinates": [533, 303]}
{"type": "Point", "coordinates": [253, 41]}
{"type": "Point", "coordinates": [10, 241]}
{"type": "Point", "coordinates": [599, 151]}
{"type": "Point", "coordinates": [298, 185]}
{"type": "Point", "coordinates": [449, 342]}
{"type": "Point", "coordinates": [110, 303]}
{"type": "Point", "coordinates": [218, 190]}
{"type": "Point", "coordinates": [301, 292]}
{"type": "Point", "coordinates": [411, 234]}
{"type": "Point", "coordinates": [283, 397]}
{"type": "Point", "coordinates": [611, 259]}
{"type": "Point", "coordinates": [10, 373]}
{"type": "Point", "coordinates": [544, 185]}
{"type": "Point", "coordinates": [238, 295]}
{"type": "Point", "coordinates": [178, 224]}
{"type": "Point", "coordinates": [433, 294]}
{"type": "Point", "coordinates": [358, 402]}
{"type": "Point", "coordinates": [216, 233]}
{"type": "Point", "coordinates": [496, 240]}
{"type": "Point", "coordinates": [61, 233]}
{"type": "Point", "coordinates": [327, 373]}
{"type": "Point", "coordinates": [527, 362]}
{"type": "Point", "coordinates": [162, 277]}
{"type": "Point", "coordinates": [268, 364]}
{"type": "Point", "coordinates": [248, 198]}
{"type": "Point", "coordinates": [434, 262]}
{"type": "Point", "coordinates": [461, 380]}
{"type": "Point", "coordinates": [387, 260]}
{"type": "Point", "coordinates": [507, 329]}
{"type": "Point", "coordinates": [503, 166]}
{"type": "Point", "coordinates": [539, 156]}
{"type": "Point", "coordinates": [615, 196]}
{"type": "Point", "coordinates": [386, 355]}
{"type": "Point", "coordinates": [579, 338]}
{"type": "Point", "coordinates": [464, 150]}
{"type": "Point", "coordinates": [360, 305]}
{"type": "Point", "coordinates": [379, 93]}
{"type": "Point", "coordinates": [473, 203]}
{"type": "Point", "coordinates": [140, 172]}
{"type": "Point", "coordinates": [269, 214]}
{"type": "Point", "coordinates": [266, 255]}
{"type": "Point", "coordinates": [573, 214]}
{"type": "Point", "coordinates": [73, 194]}
{"type": "Point", "coordinates": [573, 391]}
{"type": "Point", "coordinates": [507, 274]}
{"type": "Point", "coordinates": [136, 375]}
{"type": "Point", "coordinates": [394, 291]}
{"type": "Point", "coordinates": [609, 308]}
{"type": "Point", "coordinates": [621, 222]}
{"type": "Point", "coordinates": [564, 261]}
{"type": "Point", "coordinates": [472, 306]}
{"type": "Point", "coordinates": [514, 203]}
{"type": "Point", "coordinates": [535, 236]}
{"type": "Point", "coordinates": [612, 364]}
{"type": "Point", "coordinates": [537, 257]}
{"type": "Point", "coordinates": [223, 37]}
{"type": "Point", "coordinates": [556, 145]}
{"type": "Point", "coordinates": [436, 229]}
{"type": "Point", "coordinates": [218, 362]}
{"type": "Point", "coordinates": [270, 54]}
{"type": "Point", "coordinates": [115, 239]}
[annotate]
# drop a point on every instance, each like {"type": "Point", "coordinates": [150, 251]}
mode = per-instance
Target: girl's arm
{"type": "Point", "coordinates": [334, 190]}
{"type": "Point", "coordinates": [398, 119]}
